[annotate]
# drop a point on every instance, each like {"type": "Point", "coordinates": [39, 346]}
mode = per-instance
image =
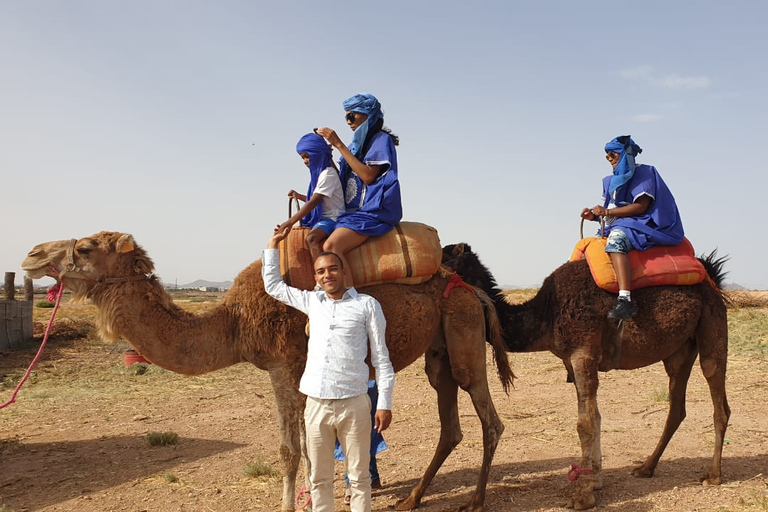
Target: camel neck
{"type": "Point", "coordinates": [176, 340]}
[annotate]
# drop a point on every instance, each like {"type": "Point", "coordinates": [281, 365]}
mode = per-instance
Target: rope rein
{"type": "Point", "coordinates": [39, 351]}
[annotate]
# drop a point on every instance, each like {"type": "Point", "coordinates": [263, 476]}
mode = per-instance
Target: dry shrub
{"type": "Point", "coordinates": [67, 329]}
{"type": "Point", "coordinates": [748, 299]}
{"type": "Point", "coordinates": [519, 295]}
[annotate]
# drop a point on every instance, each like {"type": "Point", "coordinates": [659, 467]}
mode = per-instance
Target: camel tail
{"type": "Point", "coordinates": [496, 340]}
{"type": "Point", "coordinates": [716, 272]}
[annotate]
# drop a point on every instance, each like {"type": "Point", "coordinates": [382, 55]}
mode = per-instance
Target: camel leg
{"type": "Point", "coordinates": [290, 405]}
{"type": "Point", "coordinates": [438, 370]}
{"type": "Point", "coordinates": [712, 337]}
{"type": "Point", "coordinates": [678, 367]}
{"type": "Point", "coordinates": [588, 426]}
{"type": "Point", "coordinates": [492, 430]}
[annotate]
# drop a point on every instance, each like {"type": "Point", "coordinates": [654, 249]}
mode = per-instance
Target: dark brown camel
{"type": "Point", "coordinates": [449, 329]}
{"type": "Point", "coordinates": [568, 317]}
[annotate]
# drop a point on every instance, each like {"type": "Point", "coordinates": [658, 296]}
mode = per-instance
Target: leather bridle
{"type": "Point", "coordinates": [73, 271]}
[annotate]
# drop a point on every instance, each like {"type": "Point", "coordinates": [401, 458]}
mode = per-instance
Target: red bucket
{"type": "Point", "coordinates": [131, 357]}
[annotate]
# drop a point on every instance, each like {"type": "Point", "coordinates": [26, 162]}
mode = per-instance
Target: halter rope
{"type": "Point", "coordinates": [39, 351]}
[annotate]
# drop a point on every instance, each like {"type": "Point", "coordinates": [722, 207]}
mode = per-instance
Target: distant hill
{"type": "Point", "coordinates": [733, 286]}
{"type": "Point", "coordinates": [200, 283]}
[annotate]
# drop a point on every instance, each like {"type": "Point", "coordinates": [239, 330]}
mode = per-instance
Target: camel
{"type": "Point", "coordinates": [449, 329]}
{"type": "Point", "coordinates": [568, 318]}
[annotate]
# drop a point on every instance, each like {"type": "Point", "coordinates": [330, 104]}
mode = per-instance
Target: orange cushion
{"type": "Point", "coordinates": [660, 265]}
{"type": "Point", "coordinates": [409, 254]}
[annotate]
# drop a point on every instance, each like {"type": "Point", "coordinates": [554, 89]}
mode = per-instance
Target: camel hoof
{"type": "Point", "coordinates": [408, 503]}
{"type": "Point", "coordinates": [710, 480]}
{"type": "Point", "coordinates": [471, 508]}
{"type": "Point", "coordinates": [582, 500]}
{"type": "Point", "coordinates": [642, 472]}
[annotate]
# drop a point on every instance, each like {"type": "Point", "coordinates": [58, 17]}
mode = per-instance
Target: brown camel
{"type": "Point", "coordinates": [114, 272]}
{"type": "Point", "coordinates": [568, 318]}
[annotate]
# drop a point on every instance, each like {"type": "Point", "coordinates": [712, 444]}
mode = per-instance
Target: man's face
{"type": "Point", "coordinates": [329, 274]}
{"type": "Point", "coordinates": [305, 156]}
{"type": "Point", "coordinates": [613, 158]}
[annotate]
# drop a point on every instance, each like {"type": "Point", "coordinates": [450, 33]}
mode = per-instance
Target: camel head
{"type": "Point", "coordinates": [103, 258]}
{"type": "Point", "coordinates": [459, 258]}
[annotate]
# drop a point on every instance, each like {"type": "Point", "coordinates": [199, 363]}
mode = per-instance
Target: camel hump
{"type": "Point", "coordinates": [409, 254]}
{"type": "Point", "coordinates": [659, 265]}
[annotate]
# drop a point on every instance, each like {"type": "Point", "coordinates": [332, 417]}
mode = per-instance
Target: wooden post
{"type": "Point", "coordinates": [9, 285]}
{"type": "Point", "coordinates": [29, 289]}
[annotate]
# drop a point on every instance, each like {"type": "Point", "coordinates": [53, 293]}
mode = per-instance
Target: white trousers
{"type": "Point", "coordinates": [349, 419]}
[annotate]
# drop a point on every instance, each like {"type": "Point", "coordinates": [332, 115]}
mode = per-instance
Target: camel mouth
{"type": "Point", "coordinates": [37, 272]}
{"type": "Point", "coordinates": [36, 268]}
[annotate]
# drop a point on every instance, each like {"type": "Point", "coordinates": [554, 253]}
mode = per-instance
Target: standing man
{"type": "Point", "coordinates": [343, 325]}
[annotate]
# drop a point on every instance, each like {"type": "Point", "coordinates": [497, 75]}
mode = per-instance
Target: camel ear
{"type": "Point", "coordinates": [459, 249]}
{"type": "Point", "coordinates": [125, 244]}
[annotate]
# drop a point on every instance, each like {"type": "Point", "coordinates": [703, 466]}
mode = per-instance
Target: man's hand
{"type": "Point", "coordinates": [281, 231]}
{"type": "Point", "coordinates": [382, 420]}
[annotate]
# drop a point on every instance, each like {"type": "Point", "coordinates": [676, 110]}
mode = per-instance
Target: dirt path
{"type": "Point", "coordinates": [76, 439]}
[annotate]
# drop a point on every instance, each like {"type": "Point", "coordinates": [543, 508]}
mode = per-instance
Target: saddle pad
{"type": "Point", "coordinates": [660, 265]}
{"type": "Point", "coordinates": [409, 254]}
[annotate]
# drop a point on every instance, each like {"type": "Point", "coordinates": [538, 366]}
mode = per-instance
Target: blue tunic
{"type": "Point", "coordinates": [660, 224]}
{"type": "Point", "coordinates": [376, 208]}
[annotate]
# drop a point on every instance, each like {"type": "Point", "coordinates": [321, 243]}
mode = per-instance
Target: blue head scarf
{"type": "Point", "coordinates": [319, 159]}
{"type": "Point", "coordinates": [625, 169]}
{"type": "Point", "coordinates": [365, 104]}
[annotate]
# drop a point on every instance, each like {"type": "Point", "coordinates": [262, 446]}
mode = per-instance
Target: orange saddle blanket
{"type": "Point", "coordinates": [663, 264]}
{"type": "Point", "coordinates": [409, 254]}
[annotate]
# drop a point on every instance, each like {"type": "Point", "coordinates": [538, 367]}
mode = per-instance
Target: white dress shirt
{"type": "Point", "coordinates": [341, 332]}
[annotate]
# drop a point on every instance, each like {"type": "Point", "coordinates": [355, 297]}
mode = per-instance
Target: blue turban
{"type": "Point", "coordinates": [625, 169]}
{"type": "Point", "coordinates": [320, 158]}
{"type": "Point", "coordinates": [364, 104]}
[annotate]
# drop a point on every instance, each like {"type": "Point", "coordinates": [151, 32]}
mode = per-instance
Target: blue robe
{"type": "Point", "coordinates": [660, 224]}
{"type": "Point", "coordinates": [376, 208]}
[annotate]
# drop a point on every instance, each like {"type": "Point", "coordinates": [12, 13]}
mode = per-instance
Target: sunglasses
{"type": "Point", "coordinates": [611, 155]}
{"type": "Point", "coordinates": [350, 117]}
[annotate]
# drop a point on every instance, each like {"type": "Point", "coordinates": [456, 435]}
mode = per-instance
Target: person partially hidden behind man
{"type": "Point", "coordinates": [343, 325]}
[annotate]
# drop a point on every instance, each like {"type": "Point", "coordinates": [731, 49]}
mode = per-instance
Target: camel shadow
{"type": "Point", "coordinates": [544, 485]}
{"type": "Point", "coordinates": [38, 475]}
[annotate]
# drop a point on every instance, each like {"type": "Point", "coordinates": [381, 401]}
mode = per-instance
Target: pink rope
{"type": "Point", "coordinates": [576, 471]}
{"type": "Point", "coordinates": [60, 289]}
{"type": "Point", "coordinates": [299, 497]}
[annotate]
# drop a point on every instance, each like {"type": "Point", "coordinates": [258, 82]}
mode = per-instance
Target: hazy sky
{"type": "Point", "coordinates": [177, 121]}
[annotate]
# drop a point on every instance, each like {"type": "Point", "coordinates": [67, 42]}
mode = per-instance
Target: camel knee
{"type": "Point", "coordinates": [463, 376]}
{"type": "Point", "coordinates": [585, 430]}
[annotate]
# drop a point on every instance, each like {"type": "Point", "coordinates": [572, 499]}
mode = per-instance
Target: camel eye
{"type": "Point", "coordinates": [83, 251]}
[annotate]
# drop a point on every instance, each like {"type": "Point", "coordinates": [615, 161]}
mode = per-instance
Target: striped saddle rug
{"type": "Point", "coordinates": [409, 254]}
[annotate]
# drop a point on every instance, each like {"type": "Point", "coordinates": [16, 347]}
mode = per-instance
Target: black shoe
{"type": "Point", "coordinates": [624, 309]}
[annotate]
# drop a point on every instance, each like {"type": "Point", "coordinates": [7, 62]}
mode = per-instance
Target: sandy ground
{"type": "Point", "coordinates": [77, 439]}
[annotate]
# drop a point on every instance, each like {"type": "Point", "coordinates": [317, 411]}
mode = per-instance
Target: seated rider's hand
{"type": "Point", "coordinates": [330, 135]}
{"type": "Point", "coordinates": [285, 226]}
{"type": "Point", "coordinates": [587, 214]}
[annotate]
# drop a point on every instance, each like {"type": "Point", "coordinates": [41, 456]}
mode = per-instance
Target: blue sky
{"type": "Point", "coordinates": [177, 121]}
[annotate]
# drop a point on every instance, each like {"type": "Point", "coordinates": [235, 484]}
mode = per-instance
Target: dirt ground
{"type": "Point", "coordinates": [76, 440]}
